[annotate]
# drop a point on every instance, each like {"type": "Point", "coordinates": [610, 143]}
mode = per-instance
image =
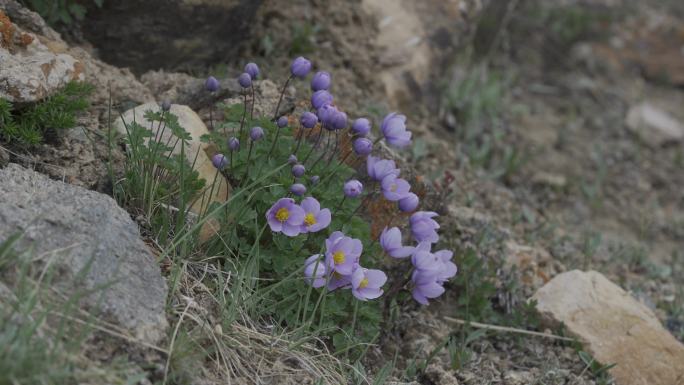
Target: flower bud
{"type": "Point", "coordinates": [256, 133]}
{"type": "Point", "coordinates": [409, 203]}
{"type": "Point", "coordinates": [219, 161]}
{"type": "Point", "coordinates": [320, 81]}
{"type": "Point", "coordinates": [252, 69]}
{"type": "Point", "coordinates": [245, 80]}
{"type": "Point", "coordinates": [300, 67]}
{"type": "Point", "coordinates": [308, 119]}
{"type": "Point", "coordinates": [361, 127]}
{"type": "Point", "coordinates": [363, 146]}
{"type": "Point", "coordinates": [298, 170]}
{"type": "Point", "coordinates": [321, 98]}
{"type": "Point", "coordinates": [212, 85]}
{"type": "Point", "coordinates": [315, 179]}
{"type": "Point", "coordinates": [166, 106]}
{"type": "Point", "coordinates": [339, 121]}
{"type": "Point", "coordinates": [353, 188]}
{"type": "Point", "coordinates": [282, 121]}
{"type": "Point", "coordinates": [292, 159]}
{"type": "Point", "coordinates": [233, 143]}
{"type": "Point", "coordinates": [298, 189]}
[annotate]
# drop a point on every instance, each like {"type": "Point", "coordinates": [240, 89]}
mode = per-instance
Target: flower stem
{"type": "Point", "coordinates": [249, 155]}
{"type": "Point", "coordinates": [244, 115]}
{"type": "Point", "coordinates": [327, 146]}
{"type": "Point", "coordinates": [334, 151]}
{"type": "Point", "coordinates": [318, 140]}
{"type": "Point", "coordinates": [280, 99]}
{"type": "Point", "coordinates": [274, 142]}
{"type": "Point", "coordinates": [251, 113]}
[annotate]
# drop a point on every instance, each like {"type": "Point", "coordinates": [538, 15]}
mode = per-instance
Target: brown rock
{"type": "Point", "coordinates": [614, 327]}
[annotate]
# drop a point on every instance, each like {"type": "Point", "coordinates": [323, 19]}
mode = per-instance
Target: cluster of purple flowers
{"type": "Point", "coordinates": [293, 219]}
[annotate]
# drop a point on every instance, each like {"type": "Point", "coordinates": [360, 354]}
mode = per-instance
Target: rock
{"type": "Point", "coordinates": [437, 375]}
{"type": "Point", "coordinates": [84, 231]}
{"type": "Point", "coordinates": [4, 157]}
{"type": "Point", "coordinates": [543, 178]}
{"type": "Point", "coordinates": [613, 327]}
{"type": "Point", "coordinates": [535, 264]}
{"type": "Point", "coordinates": [31, 71]}
{"type": "Point", "coordinates": [653, 125]}
{"type": "Point", "coordinates": [518, 378]}
{"type": "Point", "coordinates": [196, 152]}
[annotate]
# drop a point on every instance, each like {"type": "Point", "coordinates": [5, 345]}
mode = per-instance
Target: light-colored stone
{"type": "Point", "coordinates": [614, 328]}
{"type": "Point", "coordinates": [535, 264]}
{"type": "Point", "coordinates": [92, 242]}
{"type": "Point", "coordinates": [197, 152]}
{"type": "Point", "coordinates": [653, 125]}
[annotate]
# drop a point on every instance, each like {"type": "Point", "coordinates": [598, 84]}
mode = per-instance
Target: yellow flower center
{"type": "Point", "coordinates": [363, 283]}
{"type": "Point", "coordinates": [282, 214]}
{"type": "Point", "coordinates": [338, 257]}
{"type": "Point", "coordinates": [393, 187]}
{"type": "Point", "coordinates": [309, 219]}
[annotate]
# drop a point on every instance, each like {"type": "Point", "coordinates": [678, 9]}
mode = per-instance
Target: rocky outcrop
{"type": "Point", "coordinates": [614, 327]}
{"type": "Point", "coordinates": [94, 245]}
{"type": "Point", "coordinates": [653, 125]}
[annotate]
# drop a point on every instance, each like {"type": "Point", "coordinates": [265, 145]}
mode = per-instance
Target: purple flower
{"type": "Point", "coordinates": [165, 105]}
{"type": "Point", "coordinates": [298, 170]}
{"type": "Point", "coordinates": [315, 179]}
{"type": "Point", "coordinates": [282, 122]}
{"type": "Point", "coordinates": [426, 261]}
{"type": "Point", "coordinates": [308, 119]}
{"type": "Point", "coordinates": [298, 189]}
{"type": "Point", "coordinates": [219, 161]}
{"type": "Point", "coordinates": [286, 217]}
{"type": "Point", "coordinates": [423, 227]}
{"type": "Point", "coordinates": [408, 203]}
{"type": "Point", "coordinates": [394, 130]}
{"type": "Point", "coordinates": [245, 80]}
{"type": "Point", "coordinates": [338, 280]}
{"type": "Point", "coordinates": [252, 69]}
{"type": "Point", "coordinates": [378, 168]}
{"type": "Point", "coordinates": [425, 286]}
{"type": "Point", "coordinates": [212, 85]}
{"type": "Point", "coordinates": [367, 283]}
{"type": "Point", "coordinates": [256, 133]}
{"type": "Point", "coordinates": [321, 98]}
{"type": "Point", "coordinates": [320, 81]}
{"type": "Point", "coordinates": [315, 219]}
{"type": "Point", "coordinates": [300, 67]}
{"type": "Point", "coordinates": [449, 269]}
{"type": "Point", "coordinates": [353, 188]}
{"type": "Point", "coordinates": [233, 143]}
{"type": "Point", "coordinates": [363, 146]}
{"type": "Point", "coordinates": [292, 159]}
{"type": "Point", "coordinates": [339, 121]}
{"type": "Point", "coordinates": [361, 127]}
{"type": "Point", "coordinates": [342, 252]}
{"type": "Point", "coordinates": [394, 188]}
{"type": "Point", "coordinates": [315, 271]}
{"type": "Point", "coordinates": [390, 240]}
{"type": "Point", "coordinates": [326, 115]}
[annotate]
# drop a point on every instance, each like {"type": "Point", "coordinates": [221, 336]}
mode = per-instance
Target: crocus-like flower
{"type": "Point", "coordinates": [315, 271]}
{"type": "Point", "coordinates": [394, 130]}
{"type": "Point", "coordinates": [367, 283]}
{"type": "Point", "coordinates": [390, 240]}
{"type": "Point", "coordinates": [320, 81]}
{"type": "Point", "coordinates": [166, 106]}
{"type": "Point", "coordinates": [423, 227]}
{"type": "Point", "coordinates": [298, 189]}
{"type": "Point", "coordinates": [361, 127]}
{"type": "Point", "coordinates": [353, 188]}
{"type": "Point", "coordinates": [409, 202]}
{"type": "Point", "coordinates": [321, 98]}
{"type": "Point", "coordinates": [298, 170]}
{"type": "Point", "coordinates": [315, 219]}
{"type": "Point", "coordinates": [378, 168]}
{"type": "Point", "coordinates": [449, 269]}
{"type": "Point", "coordinates": [315, 179]}
{"type": "Point", "coordinates": [219, 161]}
{"type": "Point", "coordinates": [342, 252]}
{"type": "Point", "coordinates": [300, 67]}
{"type": "Point", "coordinates": [394, 188]}
{"type": "Point", "coordinates": [282, 121]}
{"type": "Point", "coordinates": [308, 119]}
{"type": "Point", "coordinates": [292, 159]}
{"type": "Point", "coordinates": [285, 216]}
{"type": "Point", "coordinates": [363, 146]}
{"type": "Point", "coordinates": [426, 261]}
{"type": "Point", "coordinates": [425, 286]}
{"type": "Point", "coordinates": [256, 133]}
{"type": "Point", "coordinates": [212, 85]}
{"type": "Point", "coordinates": [326, 115]}
{"type": "Point", "coordinates": [245, 80]}
{"type": "Point", "coordinates": [233, 143]}
{"type": "Point", "coordinates": [339, 121]}
{"type": "Point", "coordinates": [252, 69]}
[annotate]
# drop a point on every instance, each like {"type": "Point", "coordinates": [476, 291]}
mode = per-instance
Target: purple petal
{"type": "Point", "coordinates": [402, 252]}
{"type": "Point", "coordinates": [370, 293]}
{"type": "Point", "coordinates": [376, 278]}
{"type": "Point", "coordinates": [310, 205]}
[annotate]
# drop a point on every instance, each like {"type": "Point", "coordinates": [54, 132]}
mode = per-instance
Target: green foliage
{"type": "Point", "coordinates": [598, 370]}
{"type": "Point", "coordinates": [60, 11]}
{"type": "Point", "coordinates": [58, 112]}
{"type": "Point", "coordinates": [303, 38]}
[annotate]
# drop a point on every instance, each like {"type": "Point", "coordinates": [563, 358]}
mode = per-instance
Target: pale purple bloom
{"type": "Point", "coordinates": [233, 143]}
{"type": "Point", "coordinates": [219, 161]}
{"type": "Point", "coordinates": [285, 216]}
{"type": "Point", "coordinates": [245, 80]}
{"type": "Point", "coordinates": [390, 240]}
{"type": "Point", "coordinates": [315, 219]}
{"type": "Point", "coordinates": [298, 170]}
{"type": "Point", "coordinates": [425, 286]}
{"type": "Point", "coordinates": [353, 188]}
{"type": "Point", "coordinates": [361, 127]}
{"type": "Point", "coordinates": [300, 67]}
{"type": "Point", "coordinates": [326, 115]}
{"type": "Point", "coordinates": [165, 105]}
{"type": "Point", "coordinates": [449, 269]}
{"type": "Point", "coordinates": [252, 69]}
{"type": "Point", "coordinates": [212, 85]}
{"type": "Point", "coordinates": [342, 252]}
{"type": "Point", "coordinates": [363, 146]}
{"type": "Point", "coordinates": [320, 81]}
{"type": "Point", "coordinates": [338, 280]}
{"type": "Point", "coordinates": [315, 179]}
{"type": "Point", "coordinates": [394, 188]}
{"type": "Point", "coordinates": [426, 261]}
{"type": "Point", "coordinates": [378, 168]}
{"type": "Point", "coordinates": [282, 122]}
{"type": "Point", "coordinates": [423, 227]}
{"type": "Point", "coordinates": [292, 159]}
{"type": "Point", "coordinates": [339, 121]}
{"type": "Point", "coordinates": [308, 119]}
{"type": "Point", "coordinates": [298, 189]}
{"type": "Point", "coordinates": [321, 98]}
{"type": "Point", "coordinates": [256, 133]}
{"type": "Point", "coordinates": [367, 283]}
{"type": "Point", "coordinates": [394, 130]}
{"type": "Point", "coordinates": [315, 271]}
{"type": "Point", "coordinates": [408, 203]}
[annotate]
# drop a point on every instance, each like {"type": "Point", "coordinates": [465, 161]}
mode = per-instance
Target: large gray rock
{"type": "Point", "coordinates": [78, 229]}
